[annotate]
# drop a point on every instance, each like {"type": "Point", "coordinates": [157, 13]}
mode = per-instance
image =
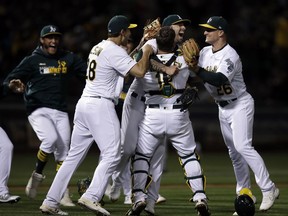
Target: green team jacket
{"type": "Point", "coordinates": [46, 78]}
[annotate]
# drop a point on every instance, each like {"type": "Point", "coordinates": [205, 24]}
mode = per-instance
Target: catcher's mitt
{"type": "Point", "coordinates": [190, 51]}
{"type": "Point", "coordinates": [151, 29]}
{"type": "Point", "coordinates": [189, 96]}
{"type": "Point", "coordinates": [83, 184]}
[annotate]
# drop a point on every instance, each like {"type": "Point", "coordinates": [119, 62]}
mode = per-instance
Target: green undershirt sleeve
{"type": "Point", "coordinates": [215, 79]}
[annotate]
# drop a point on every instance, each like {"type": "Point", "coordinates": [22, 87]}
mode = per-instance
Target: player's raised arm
{"type": "Point", "coordinates": [160, 67]}
{"type": "Point", "coordinates": [142, 65]}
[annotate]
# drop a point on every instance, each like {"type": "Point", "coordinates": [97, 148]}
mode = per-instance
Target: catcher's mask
{"type": "Point", "coordinates": [244, 205]}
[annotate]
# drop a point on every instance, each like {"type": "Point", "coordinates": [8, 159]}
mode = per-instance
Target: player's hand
{"type": "Point", "coordinates": [16, 86]}
{"type": "Point", "coordinates": [171, 70]}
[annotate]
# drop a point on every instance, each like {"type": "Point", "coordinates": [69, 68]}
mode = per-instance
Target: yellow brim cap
{"type": "Point", "coordinates": [207, 26]}
{"type": "Point", "coordinates": [132, 26]}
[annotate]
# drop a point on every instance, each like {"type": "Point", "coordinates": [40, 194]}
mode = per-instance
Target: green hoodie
{"type": "Point", "coordinates": [46, 78]}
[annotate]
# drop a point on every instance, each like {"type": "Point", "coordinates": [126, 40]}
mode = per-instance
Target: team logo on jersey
{"type": "Point", "coordinates": [62, 68]}
{"type": "Point", "coordinates": [230, 65]}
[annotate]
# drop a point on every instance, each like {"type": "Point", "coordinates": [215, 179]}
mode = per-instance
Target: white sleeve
{"type": "Point", "coordinates": [153, 44]}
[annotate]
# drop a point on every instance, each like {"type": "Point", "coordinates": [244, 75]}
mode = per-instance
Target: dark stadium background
{"type": "Point", "coordinates": [258, 31]}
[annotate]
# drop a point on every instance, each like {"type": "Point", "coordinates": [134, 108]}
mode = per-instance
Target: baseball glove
{"type": "Point", "coordinates": [190, 51]}
{"type": "Point", "coordinates": [151, 29]}
{"type": "Point", "coordinates": [83, 184]}
{"type": "Point", "coordinates": [189, 96]}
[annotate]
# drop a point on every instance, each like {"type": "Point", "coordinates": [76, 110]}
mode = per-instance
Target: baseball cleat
{"type": "Point", "coordinates": [93, 206]}
{"type": "Point", "coordinates": [202, 208]}
{"type": "Point", "coordinates": [160, 199]}
{"type": "Point", "coordinates": [136, 209]}
{"type": "Point", "coordinates": [269, 199]}
{"type": "Point", "coordinates": [33, 183]}
{"type": "Point", "coordinates": [7, 198]}
{"type": "Point", "coordinates": [128, 200]}
{"type": "Point", "coordinates": [51, 211]}
{"type": "Point", "coordinates": [66, 200]}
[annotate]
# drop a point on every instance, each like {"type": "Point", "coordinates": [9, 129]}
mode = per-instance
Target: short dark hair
{"type": "Point", "coordinates": [165, 39]}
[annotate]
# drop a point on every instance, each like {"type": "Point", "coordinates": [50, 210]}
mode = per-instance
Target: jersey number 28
{"type": "Point", "coordinates": [91, 73]}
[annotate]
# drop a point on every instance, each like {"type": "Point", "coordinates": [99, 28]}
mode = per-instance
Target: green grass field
{"type": "Point", "coordinates": [217, 167]}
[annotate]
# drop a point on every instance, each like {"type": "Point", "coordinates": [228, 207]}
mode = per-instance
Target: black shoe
{"type": "Point", "coordinates": [202, 209]}
{"type": "Point", "coordinates": [136, 209]}
{"type": "Point", "coordinates": [7, 198]}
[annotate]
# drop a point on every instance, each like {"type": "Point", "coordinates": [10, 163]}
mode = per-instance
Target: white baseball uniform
{"type": "Point", "coordinates": [236, 113]}
{"type": "Point", "coordinates": [95, 120]}
{"type": "Point", "coordinates": [132, 115]}
{"type": "Point", "coordinates": [6, 153]}
{"type": "Point", "coordinates": [163, 119]}
{"type": "Point", "coordinates": [55, 138]}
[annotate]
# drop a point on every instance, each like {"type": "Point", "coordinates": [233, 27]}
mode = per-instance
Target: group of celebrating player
{"type": "Point", "coordinates": [151, 117]}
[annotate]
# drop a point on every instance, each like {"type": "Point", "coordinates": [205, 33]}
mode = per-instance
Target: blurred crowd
{"type": "Point", "coordinates": [258, 31]}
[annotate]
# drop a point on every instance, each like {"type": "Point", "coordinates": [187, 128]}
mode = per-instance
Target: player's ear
{"type": "Point", "coordinates": [221, 33]}
{"type": "Point", "coordinates": [123, 31]}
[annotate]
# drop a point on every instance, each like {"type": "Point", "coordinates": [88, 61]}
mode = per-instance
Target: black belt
{"type": "Point", "coordinates": [158, 106]}
{"type": "Point", "coordinates": [225, 103]}
{"type": "Point", "coordinates": [96, 96]}
{"type": "Point", "coordinates": [158, 92]}
{"type": "Point", "coordinates": [135, 95]}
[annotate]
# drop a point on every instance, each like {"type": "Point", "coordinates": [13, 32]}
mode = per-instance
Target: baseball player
{"type": "Point", "coordinates": [178, 24]}
{"type": "Point", "coordinates": [45, 73]}
{"type": "Point", "coordinates": [220, 68]}
{"type": "Point", "coordinates": [163, 119]}
{"type": "Point", "coordinates": [6, 154]}
{"type": "Point", "coordinates": [133, 112]}
{"type": "Point", "coordinates": [95, 116]}
{"type": "Point", "coordinates": [123, 180]}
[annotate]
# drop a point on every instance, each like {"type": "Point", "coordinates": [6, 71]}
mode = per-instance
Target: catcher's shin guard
{"type": "Point", "coordinates": [195, 179]}
{"type": "Point", "coordinates": [140, 178]}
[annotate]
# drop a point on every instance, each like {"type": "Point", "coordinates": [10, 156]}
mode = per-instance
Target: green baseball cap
{"type": "Point", "coordinates": [50, 30]}
{"type": "Point", "coordinates": [216, 22]}
{"type": "Point", "coordinates": [174, 19]}
{"type": "Point", "coordinates": [119, 22]}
